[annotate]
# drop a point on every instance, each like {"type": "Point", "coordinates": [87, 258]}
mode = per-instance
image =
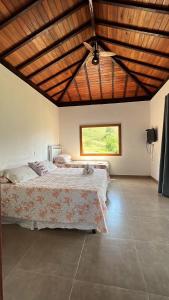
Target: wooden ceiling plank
{"type": "Point", "coordinates": [100, 81]}
{"type": "Point", "coordinates": [88, 82]}
{"type": "Point", "coordinates": [69, 96]}
{"type": "Point", "coordinates": [163, 83]}
{"type": "Point", "coordinates": [125, 69]}
{"type": "Point", "coordinates": [147, 76]}
{"type": "Point", "coordinates": [128, 27]}
{"type": "Point", "coordinates": [154, 8]}
{"type": "Point", "coordinates": [43, 29]}
{"type": "Point", "coordinates": [133, 47]}
{"type": "Point", "coordinates": [54, 61]}
{"type": "Point", "coordinates": [18, 13]}
{"type": "Point", "coordinates": [77, 89]}
{"type": "Point", "coordinates": [74, 75]}
{"type": "Point", "coordinates": [59, 92]}
{"type": "Point", "coordinates": [136, 91]}
{"type": "Point", "coordinates": [59, 83]}
{"type": "Point", "coordinates": [105, 101]}
{"type": "Point", "coordinates": [54, 45]}
{"type": "Point", "coordinates": [125, 86]}
{"type": "Point", "coordinates": [58, 73]}
{"type": "Point", "coordinates": [113, 78]}
{"type": "Point", "coordinates": [20, 75]}
{"type": "Point", "coordinates": [143, 63]}
{"type": "Point", "coordinates": [150, 85]}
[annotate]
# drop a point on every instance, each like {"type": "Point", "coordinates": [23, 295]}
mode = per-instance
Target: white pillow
{"type": "Point", "coordinates": [20, 174]}
{"type": "Point", "coordinates": [63, 158]}
{"type": "Point", "coordinates": [49, 165]}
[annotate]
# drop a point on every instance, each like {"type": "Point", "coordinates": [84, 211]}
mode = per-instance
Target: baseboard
{"type": "Point", "coordinates": [130, 176]}
{"type": "Point", "coordinates": [133, 177]}
{"type": "Point", "coordinates": [155, 180]}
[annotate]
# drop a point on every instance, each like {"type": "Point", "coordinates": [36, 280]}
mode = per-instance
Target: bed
{"type": "Point", "coordinates": [64, 160]}
{"type": "Point", "coordinates": [63, 198]}
{"type": "Point", "coordinates": [81, 163]}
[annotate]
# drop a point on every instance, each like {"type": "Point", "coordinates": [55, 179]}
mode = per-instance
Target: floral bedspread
{"type": "Point", "coordinates": [62, 196]}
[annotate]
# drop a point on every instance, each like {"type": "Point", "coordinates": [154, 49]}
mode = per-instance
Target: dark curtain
{"type": "Point", "coordinates": [163, 187]}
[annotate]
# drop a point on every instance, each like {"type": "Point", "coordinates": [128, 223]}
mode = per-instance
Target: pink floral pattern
{"type": "Point", "coordinates": [62, 196]}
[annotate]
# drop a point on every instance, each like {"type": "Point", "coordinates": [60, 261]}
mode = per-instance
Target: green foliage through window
{"type": "Point", "coordinates": [100, 140]}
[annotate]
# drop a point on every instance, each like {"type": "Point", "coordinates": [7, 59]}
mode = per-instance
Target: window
{"type": "Point", "coordinates": [100, 140]}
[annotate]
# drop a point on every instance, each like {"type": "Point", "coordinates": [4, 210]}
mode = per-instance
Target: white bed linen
{"type": "Point", "coordinates": [63, 198]}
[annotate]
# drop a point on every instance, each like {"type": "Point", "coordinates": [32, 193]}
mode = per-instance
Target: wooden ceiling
{"type": "Point", "coordinates": [41, 41]}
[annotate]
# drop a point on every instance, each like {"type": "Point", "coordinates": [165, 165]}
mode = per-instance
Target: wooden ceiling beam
{"type": "Point", "coordinates": [74, 75]}
{"type": "Point", "coordinates": [54, 45]}
{"type": "Point", "coordinates": [150, 85]}
{"type": "Point", "coordinates": [143, 63]}
{"type": "Point", "coordinates": [51, 63]}
{"type": "Point", "coordinates": [159, 88]}
{"type": "Point", "coordinates": [92, 17]}
{"type": "Point", "coordinates": [137, 81]}
{"type": "Point", "coordinates": [58, 73]}
{"type": "Point", "coordinates": [105, 101]}
{"type": "Point", "coordinates": [132, 47]}
{"type": "Point", "coordinates": [154, 8]}
{"type": "Point", "coordinates": [18, 13]}
{"type": "Point", "coordinates": [59, 92]}
{"type": "Point", "coordinates": [147, 76]}
{"type": "Point", "coordinates": [45, 28]}
{"type": "Point", "coordinates": [136, 29]}
{"type": "Point", "coordinates": [126, 70]}
{"type": "Point", "coordinates": [56, 85]}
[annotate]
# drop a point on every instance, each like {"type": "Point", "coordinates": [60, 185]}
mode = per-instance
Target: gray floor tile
{"type": "Point", "coordinates": [54, 252]}
{"type": "Point", "coordinates": [119, 226]}
{"type": "Point", "coordinates": [88, 291]}
{"type": "Point", "coordinates": [15, 242]}
{"type": "Point", "coordinates": [21, 285]}
{"type": "Point", "coordinates": [155, 228]}
{"type": "Point", "coordinates": [156, 297]}
{"type": "Point", "coordinates": [8, 263]}
{"type": "Point", "coordinates": [16, 239]}
{"type": "Point", "coordinates": [154, 260]}
{"type": "Point", "coordinates": [110, 262]}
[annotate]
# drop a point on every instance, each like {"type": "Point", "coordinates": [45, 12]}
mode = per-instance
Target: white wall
{"type": "Point", "coordinates": [28, 122]}
{"type": "Point", "coordinates": [134, 118]}
{"type": "Point", "coordinates": [156, 120]}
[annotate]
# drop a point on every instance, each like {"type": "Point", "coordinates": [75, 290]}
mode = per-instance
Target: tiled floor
{"type": "Point", "coordinates": [131, 262]}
